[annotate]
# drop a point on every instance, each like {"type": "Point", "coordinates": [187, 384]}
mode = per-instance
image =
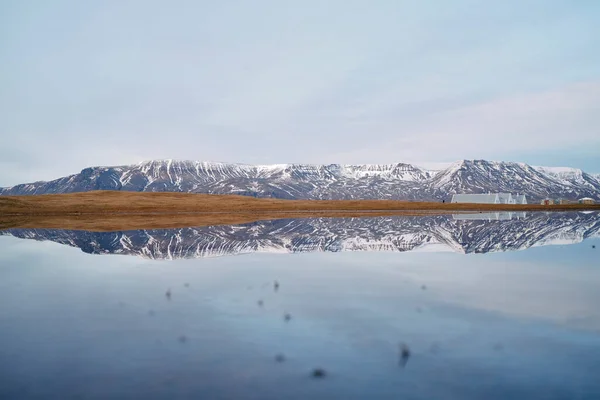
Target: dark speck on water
{"type": "Point", "coordinates": [287, 317]}
{"type": "Point", "coordinates": [593, 246]}
{"type": "Point", "coordinates": [151, 313]}
{"type": "Point", "coordinates": [183, 339]}
{"type": "Point", "coordinates": [318, 373]}
{"type": "Point", "coordinates": [260, 303]}
{"type": "Point", "coordinates": [187, 285]}
{"type": "Point", "coordinates": [498, 347]}
{"type": "Point", "coordinates": [424, 287]}
{"type": "Point", "coordinates": [276, 286]}
{"type": "Point", "coordinates": [279, 358]}
{"type": "Point", "coordinates": [404, 354]}
{"type": "Point", "coordinates": [168, 294]}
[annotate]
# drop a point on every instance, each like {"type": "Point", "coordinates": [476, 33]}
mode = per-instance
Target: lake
{"type": "Point", "coordinates": [468, 306]}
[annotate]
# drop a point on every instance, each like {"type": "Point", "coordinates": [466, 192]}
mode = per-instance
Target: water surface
{"type": "Point", "coordinates": [485, 307]}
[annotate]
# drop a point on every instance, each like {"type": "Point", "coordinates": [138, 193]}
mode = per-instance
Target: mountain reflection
{"type": "Point", "coordinates": [464, 233]}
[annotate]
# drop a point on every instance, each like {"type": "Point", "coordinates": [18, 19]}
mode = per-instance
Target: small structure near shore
{"type": "Point", "coordinates": [586, 200]}
{"type": "Point", "coordinates": [549, 202]}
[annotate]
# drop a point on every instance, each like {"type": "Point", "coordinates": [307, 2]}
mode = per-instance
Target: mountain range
{"type": "Point", "coordinates": [334, 181]}
{"type": "Point", "coordinates": [463, 233]}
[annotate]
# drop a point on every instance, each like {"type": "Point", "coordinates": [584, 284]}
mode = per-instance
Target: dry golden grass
{"type": "Point", "coordinates": [112, 210]}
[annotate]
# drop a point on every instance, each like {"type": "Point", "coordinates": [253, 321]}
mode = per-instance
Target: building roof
{"type": "Point", "coordinates": [586, 198]}
{"type": "Point", "coordinates": [504, 197]}
{"type": "Point", "coordinates": [475, 198]}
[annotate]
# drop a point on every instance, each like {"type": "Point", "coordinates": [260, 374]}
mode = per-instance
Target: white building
{"type": "Point", "coordinates": [506, 198]}
{"type": "Point", "coordinates": [476, 198]}
{"type": "Point", "coordinates": [520, 199]}
{"type": "Point", "coordinates": [489, 198]}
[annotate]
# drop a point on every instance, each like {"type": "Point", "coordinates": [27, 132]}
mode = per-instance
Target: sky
{"type": "Point", "coordinates": [275, 81]}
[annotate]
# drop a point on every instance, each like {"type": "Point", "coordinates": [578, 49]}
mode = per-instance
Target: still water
{"type": "Point", "coordinates": [438, 307]}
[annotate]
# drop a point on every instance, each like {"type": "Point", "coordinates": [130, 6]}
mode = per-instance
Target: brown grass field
{"type": "Point", "coordinates": [112, 210]}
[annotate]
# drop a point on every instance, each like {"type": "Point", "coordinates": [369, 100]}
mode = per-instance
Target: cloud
{"type": "Point", "coordinates": [529, 122]}
{"type": "Point", "coordinates": [534, 121]}
{"type": "Point", "coordinates": [318, 82]}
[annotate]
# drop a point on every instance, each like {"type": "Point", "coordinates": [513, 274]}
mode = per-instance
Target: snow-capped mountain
{"type": "Point", "coordinates": [334, 181]}
{"type": "Point", "coordinates": [572, 176]}
{"type": "Point", "coordinates": [460, 233]}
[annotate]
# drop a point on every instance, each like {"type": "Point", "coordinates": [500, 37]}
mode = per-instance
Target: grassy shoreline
{"type": "Point", "coordinates": [112, 210]}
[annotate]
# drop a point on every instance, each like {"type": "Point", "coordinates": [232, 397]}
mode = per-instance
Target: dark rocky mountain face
{"type": "Point", "coordinates": [464, 233]}
{"type": "Point", "coordinates": [334, 181]}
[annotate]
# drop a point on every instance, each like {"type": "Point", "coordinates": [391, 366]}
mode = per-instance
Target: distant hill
{"type": "Point", "coordinates": [334, 181]}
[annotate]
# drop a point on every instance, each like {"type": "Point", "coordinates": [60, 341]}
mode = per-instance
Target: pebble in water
{"type": "Point", "coordinates": [404, 354]}
{"type": "Point", "coordinates": [318, 373]}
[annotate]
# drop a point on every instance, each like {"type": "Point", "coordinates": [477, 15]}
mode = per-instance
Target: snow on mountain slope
{"type": "Point", "coordinates": [478, 176]}
{"type": "Point", "coordinates": [333, 181]}
{"type": "Point", "coordinates": [558, 171]}
{"type": "Point", "coordinates": [571, 176]}
{"type": "Point", "coordinates": [400, 171]}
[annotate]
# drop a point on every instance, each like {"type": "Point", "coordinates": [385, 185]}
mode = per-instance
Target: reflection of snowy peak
{"type": "Point", "coordinates": [442, 232]}
{"type": "Point", "coordinates": [333, 181]}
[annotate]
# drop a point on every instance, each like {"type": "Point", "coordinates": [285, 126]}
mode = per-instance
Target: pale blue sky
{"type": "Point", "coordinates": [117, 82]}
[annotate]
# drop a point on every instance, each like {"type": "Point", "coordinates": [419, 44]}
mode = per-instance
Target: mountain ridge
{"type": "Point", "coordinates": [399, 181]}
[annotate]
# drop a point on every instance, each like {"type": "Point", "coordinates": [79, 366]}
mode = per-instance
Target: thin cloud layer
{"type": "Point", "coordinates": [268, 82]}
